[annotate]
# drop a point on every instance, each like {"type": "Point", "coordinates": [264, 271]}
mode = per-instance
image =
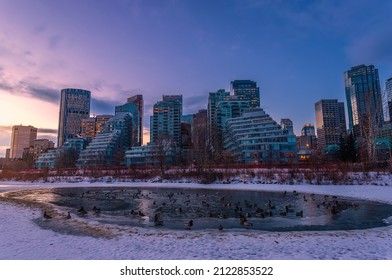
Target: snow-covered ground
{"type": "Point", "coordinates": [21, 238]}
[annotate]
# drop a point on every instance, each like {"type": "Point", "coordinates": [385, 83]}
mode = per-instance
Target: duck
{"type": "Point", "coordinates": [247, 225]}
{"type": "Point", "coordinates": [96, 210]}
{"type": "Point", "coordinates": [220, 227]}
{"type": "Point", "coordinates": [243, 220]}
{"type": "Point", "coordinates": [68, 215]}
{"type": "Point", "coordinates": [222, 216]}
{"type": "Point", "coordinates": [189, 224]}
{"type": "Point", "coordinates": [82, 211]}
{"type": "Point", "coordinates": [157, 220]}
{"type": "Point", "coordinates": [141, 214]}
{"type": "Point", "coordinates": [300, 214]}
{"type": "Point", "coordinates": [47, 216]}
{"type": "Point", "coordinates": [284, 213]}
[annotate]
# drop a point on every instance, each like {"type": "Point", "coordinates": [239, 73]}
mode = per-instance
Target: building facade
{"type": "Point", "coordinates": [388, 92]}
{"type": "Point", "coordinates": [246, 90]}
{"type": "Point", "coordinates": [153, 155]}
{"type": "Point", "coordinates": [199, 133]}
{"type": "Point", "coordinates": [230, 107]}
{"type": "Point", "coordinates": [88, 128]}
{"type": "Point", "coordinates": [108, 147]}
{"type": "Point", "coordinates": [74, 106]}
{"type": "Point", "coordinates": [306, 142]}
{"type": "Point", "coordinates": [22, 137]}
{"type": "Point", "coordinates": [255, 138]}
{"type": "Point", "coordinates": [41, 146]}
{"type": "Point", "coordinates": [165, 123]}
{"type": "Point", "coordinates": [134, 106]}
{"type": "Point", "coordinates": [364, 100]}
{"type": "Point", "coordinates": [330, 122]}
{"type": "Point", "coordinates": [213, 99]}
{"type": "Point", "coordinates": [100, 122]}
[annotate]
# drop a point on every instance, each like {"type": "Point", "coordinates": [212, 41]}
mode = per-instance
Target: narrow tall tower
{"type": "Point", "coordinates": [74, 106]}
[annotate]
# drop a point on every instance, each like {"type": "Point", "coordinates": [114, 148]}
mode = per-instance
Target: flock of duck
{"type": "Point", "coordinates": [166, 207]}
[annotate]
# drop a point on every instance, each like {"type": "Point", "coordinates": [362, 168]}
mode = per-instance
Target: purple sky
{"type": "Point", "coordinates": [297, 52]}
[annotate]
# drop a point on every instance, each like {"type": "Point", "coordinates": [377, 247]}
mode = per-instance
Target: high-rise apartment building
{"type": "Point", "coordinates": [330, 122]}
{"type": "Point", "coordinates": [22, 137]}
{"type": "Point", "coordinates": [213, 99]}
{"type": "Point", "coordinates": [74, 106]}
{"type": "Point", "coordinates": [246, 90]}
{"type": "Point", "coordinates": [134, 106]}
{"type": "Point", "coordinates": [364, 101]}
{"type": "Point", "coordinates": [166, 119]}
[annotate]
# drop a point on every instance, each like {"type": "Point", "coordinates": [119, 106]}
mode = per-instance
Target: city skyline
{"type": "Point", "coordinates": [296, 52]}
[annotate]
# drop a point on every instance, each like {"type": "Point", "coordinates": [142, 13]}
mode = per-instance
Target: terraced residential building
{"type": "Point", "coordinates": [255, 138]}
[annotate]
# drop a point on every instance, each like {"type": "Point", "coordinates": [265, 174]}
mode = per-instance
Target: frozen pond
{"type": "Point", "coordinates": [175, 208]}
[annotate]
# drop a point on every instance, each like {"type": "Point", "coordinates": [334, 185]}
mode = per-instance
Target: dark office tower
{"type": "Point", "coordinates": [134, 106]}
{"type": "Point", "coordinates": [388, 92]}
{"type": "Point", "coordinates": [330, 122]}
{"type": "Point", "coordinates": [74, 106]}
{"type": "Point", "coordinates": [165, 123]}
{"type": "Point", "coordinates": [246, 90]}
{"type": "Point", "coordinates": [364, 102]}
{"type": "Point", "coordinates": [199, 135]}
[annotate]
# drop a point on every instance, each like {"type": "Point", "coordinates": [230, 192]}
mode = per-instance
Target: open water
{"type": "Point", "coordinates": [174, 208]}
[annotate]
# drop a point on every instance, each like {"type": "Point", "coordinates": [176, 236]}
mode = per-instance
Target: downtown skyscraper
{"type": "Point", "coordinates": [364, 101]}
{"type": "Point", "coordinates": [388, 92]}
{"type": "Point", "coordinates": [74, 106]}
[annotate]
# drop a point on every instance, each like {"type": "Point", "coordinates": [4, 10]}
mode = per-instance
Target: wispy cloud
{"type": "Point", "coordinates": [47, 131]}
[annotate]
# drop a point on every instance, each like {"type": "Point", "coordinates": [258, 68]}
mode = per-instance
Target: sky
{"type": "Point", "coordinates": [296, 51]}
